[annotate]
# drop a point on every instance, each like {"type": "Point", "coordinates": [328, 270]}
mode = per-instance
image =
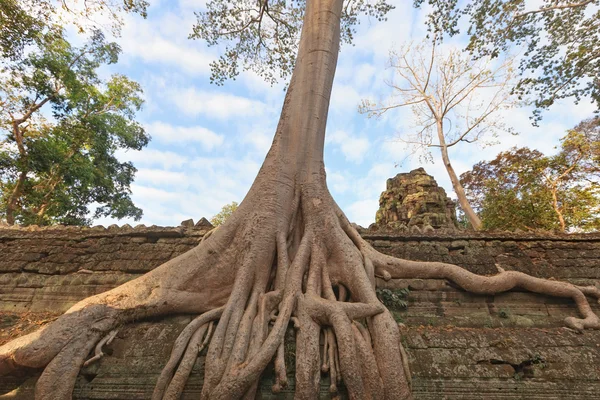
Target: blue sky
{"type": "Point", "coordinates": [209, 141]}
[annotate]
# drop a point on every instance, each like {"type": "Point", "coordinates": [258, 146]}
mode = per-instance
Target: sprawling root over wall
{"type": "Point", "coordinates": [317, 278]}
{"type": "Point", "coordinates": [316, 273]}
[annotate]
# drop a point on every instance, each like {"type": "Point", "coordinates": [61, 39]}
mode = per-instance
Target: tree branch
{"type": "Point", "coordinates": [555, 7]}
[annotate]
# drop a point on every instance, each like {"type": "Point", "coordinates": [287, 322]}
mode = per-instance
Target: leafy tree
{"type": "Point", "coordinates": [226, 211]}
{"type": "Point", "coordinates": [525, 189]}
{"type": "Point", "coordinates": [23, 22]}
{"type": "Point", "coordinates": [62, 125]}
{"type": "Point", "coordinates": [561, 40]}
{"type": "Point", "coordinates": [508, 192]}
{"type": "Point", "coordinates": [454, 99]}
{"type": "Point", "coordinates": [287, 254]}
{"type": "Point", "coordinates": [573, 177]}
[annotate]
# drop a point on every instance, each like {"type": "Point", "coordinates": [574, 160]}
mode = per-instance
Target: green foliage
{"type": "Point", "coordinates": [263, 36]}
{"type": "Point", "coordinates": [20, 25]}
{"type": "Point", "coordinates": [524, 189]}
{"type": "Point", "coordinates": [225, 212]}
{"type": "Point", "coordinates": [561, 39]}
{"type": "Point", "coordinates": [393, 299]}
{"type": "Point", "coordinates": [508, 193]}
{"type": "Point", "coordinates": [60, 126]}
{"type": "Point", "coordinates": [461, 217]}
{"type": "Point", "coordinates": [23, 22]}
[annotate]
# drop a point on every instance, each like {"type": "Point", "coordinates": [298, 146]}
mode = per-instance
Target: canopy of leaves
{"type": "Point", "coordinates": [60, 125]}
{"type": "Point", "coordinates": [25, 22]}
{"type": "Point", "coordinates": [263, 35]}
{"type": "Point", "coordinates": [515, 190]}
{"type": "Point", "coordinates": [560, 42]}
{"type": "Point", "coordinates": [225, 212]}
{"type": "Point", "coordinates": [21, 25]}
{"type": "Point", "coordinates": [508, 193]}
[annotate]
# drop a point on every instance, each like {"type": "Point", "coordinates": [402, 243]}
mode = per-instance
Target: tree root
{"type": "Point", "coordinates": [187, 339]}
{"type": "Point", "coordinates": [406, 365]}
{"type": "Point", "coordinates": [107, 340]}
{"type": "Point", "coordinates": [389, 267]}
{"type": "Point", "coordinates": [195, 346]}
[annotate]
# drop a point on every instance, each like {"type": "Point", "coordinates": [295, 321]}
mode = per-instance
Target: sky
{"type": "Point", "coordinates": [209, 141]}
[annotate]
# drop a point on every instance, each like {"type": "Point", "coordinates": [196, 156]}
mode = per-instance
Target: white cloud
{"type": "Point", "coordinates": [215, 105]}
{"type": "Point", "coordinates": [153, 157]}
{"type": "Point", "coordinates": [259, 138]}
{"type": "Point", "coordinates": [344, 98]}
{"type": "Point", "coordinates": [153, 194]}
{"type": "Point", "coordinates": [181, 134]}
{"type": "Point", "coordinates": [361, 202]}
{"type": "Point", "coordinates": [363, 212]}
{"type": "Point", "coordinates": [353, 148]}
{"type": "Point", "coordinates": [159, 177]}
{"type": "Point", "coordinates": [193, 5]}
{"type": "Point", "coordinates": [163, 42]}
{"type": "Point", "coordinates": [337, 182]}
{"type": "Point", "coordinates": [226, 171]}
{"type": "Point", "coordinates": [403, 23]}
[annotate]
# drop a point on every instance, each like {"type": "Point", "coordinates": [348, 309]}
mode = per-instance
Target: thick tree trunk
{"type": "Point", "coordinates": [296, 155]}
{"type": "Point", "coordinates": [472, 216]}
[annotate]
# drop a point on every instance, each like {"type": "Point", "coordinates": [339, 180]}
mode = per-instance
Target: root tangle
{"type": "Point", "coordinates": [324, 287]}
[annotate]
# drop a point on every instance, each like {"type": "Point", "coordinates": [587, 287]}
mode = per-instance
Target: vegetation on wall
{"type": "Point", "coordinates": [226, 211]}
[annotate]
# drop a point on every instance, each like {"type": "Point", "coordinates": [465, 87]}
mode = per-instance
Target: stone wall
{"type": "Point", "coordinates": [461, 346]}
{"type": "Point", "coordinates": [50, 269]}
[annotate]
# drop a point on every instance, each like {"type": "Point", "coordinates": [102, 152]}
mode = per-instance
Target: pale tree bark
{"type": "Point", "coordinates": [472, 216]}
{"type": "Point", "coordinates": [553, 186]}
{"type": "Point", "coordinates": [287, 255]}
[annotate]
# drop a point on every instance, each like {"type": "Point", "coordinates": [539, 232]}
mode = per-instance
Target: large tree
{"type": "Point", "coordinates": [288, 253]}
{"type": "Point", "coordinates": [454, 99]}
{"type": "Point", "coordinates": [525, 189]}
{"type": "Point", "coordinates": [60, 125]}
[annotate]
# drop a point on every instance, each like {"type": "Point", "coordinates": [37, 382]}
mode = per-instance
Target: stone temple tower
{"type": "Point", "coordinates": [415, 199]}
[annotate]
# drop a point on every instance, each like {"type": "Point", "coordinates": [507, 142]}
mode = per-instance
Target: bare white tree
{"type": "Point", "coordinates": [453, 97]}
